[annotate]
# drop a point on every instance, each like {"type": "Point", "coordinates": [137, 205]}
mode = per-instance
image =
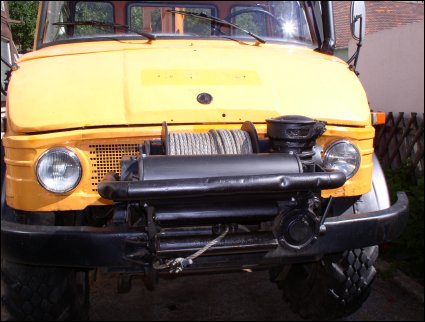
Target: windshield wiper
{"type": "Point", "coordinates": [95, 23]}
{"type": "Point", "coordinates": [218, 21]}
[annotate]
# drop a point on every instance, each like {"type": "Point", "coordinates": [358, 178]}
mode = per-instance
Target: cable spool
{"type": "Point", "coordinates": [211, 143]}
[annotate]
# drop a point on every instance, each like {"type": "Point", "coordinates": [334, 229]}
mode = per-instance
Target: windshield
{"type": "Point", "coordinates": [103, 20]}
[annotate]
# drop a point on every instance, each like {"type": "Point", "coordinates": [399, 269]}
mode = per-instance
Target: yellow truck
{"type": "Point", "coordinates": [175, 137]}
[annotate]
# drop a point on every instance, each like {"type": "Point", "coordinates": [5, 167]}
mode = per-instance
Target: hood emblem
{"type": "Point", "coordinates": [204, 98]}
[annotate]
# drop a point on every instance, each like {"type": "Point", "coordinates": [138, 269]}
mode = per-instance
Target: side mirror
{"type": "Point", "coordinates": [358, 20]}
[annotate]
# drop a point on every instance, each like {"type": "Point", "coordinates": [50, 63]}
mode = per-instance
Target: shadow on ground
{"type": "Point", "coordinates": [231, 297]}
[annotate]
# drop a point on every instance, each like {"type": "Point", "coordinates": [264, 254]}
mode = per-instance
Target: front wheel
{"type": "Point", "coordinates": [332, 288]}
{"type": "Point", "coordinates": [44, 294]}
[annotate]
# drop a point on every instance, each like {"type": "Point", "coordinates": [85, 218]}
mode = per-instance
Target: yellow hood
{"type": "Point", "coordinates": [112, 83]}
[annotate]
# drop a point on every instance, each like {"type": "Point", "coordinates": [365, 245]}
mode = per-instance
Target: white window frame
{"type": "Point", "coordinates": [9, 52]}
{"type": "Point", "coordinates": [8, 59]}
{"type": "Point", "coordinates": [3, 8]}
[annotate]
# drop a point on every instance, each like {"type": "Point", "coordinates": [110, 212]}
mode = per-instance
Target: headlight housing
{"type": "Point", "coordinates": [59, 170]}
{"type": "Point", "coordinates": [342, 156]}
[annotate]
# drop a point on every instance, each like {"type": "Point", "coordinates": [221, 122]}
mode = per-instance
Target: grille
{"type": "Point", "coordinates": [106, 158]}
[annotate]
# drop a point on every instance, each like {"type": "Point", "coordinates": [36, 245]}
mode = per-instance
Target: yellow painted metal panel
{"type": "Point", "coordinates": [127, 83]}
{"type": "Point", "coordinates": [22, 152]}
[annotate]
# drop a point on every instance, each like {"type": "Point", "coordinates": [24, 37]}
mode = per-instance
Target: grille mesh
{"type": "Point", "coordinates": [105, 158]}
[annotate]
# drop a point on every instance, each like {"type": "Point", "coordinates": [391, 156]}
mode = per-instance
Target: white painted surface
{"type": "Point", "coordinates": [391, 67]}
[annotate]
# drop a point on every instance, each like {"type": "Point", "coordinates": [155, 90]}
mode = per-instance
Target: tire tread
{"type": "Point", "coordinates": [39, 293]}
{"type": "Point", "coordinates": [336, 287]}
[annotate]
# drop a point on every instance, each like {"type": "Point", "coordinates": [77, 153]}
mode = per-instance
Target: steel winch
{"type": "Point", "coordinates": [188, 183]}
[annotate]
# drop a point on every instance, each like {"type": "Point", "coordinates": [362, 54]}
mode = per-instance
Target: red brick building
{"type": "Point", "coordinates": [380, 15]}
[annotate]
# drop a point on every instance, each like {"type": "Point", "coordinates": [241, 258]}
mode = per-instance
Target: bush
{"type": "Point", "coordinates": [407, 252]}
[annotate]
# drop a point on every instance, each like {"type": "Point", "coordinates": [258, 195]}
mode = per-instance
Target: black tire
{"type": "Point", "coordinates": [332, 288]}
{"type": "Point", "coordinates": [44, 294]}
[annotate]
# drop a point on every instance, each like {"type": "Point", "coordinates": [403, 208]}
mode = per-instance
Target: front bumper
{"type": "Point", "coordinates": [117, 247]}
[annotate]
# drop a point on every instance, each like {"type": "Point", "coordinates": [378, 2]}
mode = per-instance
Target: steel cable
{"type": "Point", "coordinates": [213, 142]}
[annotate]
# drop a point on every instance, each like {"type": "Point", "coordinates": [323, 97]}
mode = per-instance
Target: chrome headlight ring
{"type": "Point", "coordinates": [343, 156]}
{"type": "Point", "coordinates": [59, 170]}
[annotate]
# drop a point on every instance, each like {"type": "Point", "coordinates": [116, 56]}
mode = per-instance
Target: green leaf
{"type": "Point", "coordinates": [23, 33]}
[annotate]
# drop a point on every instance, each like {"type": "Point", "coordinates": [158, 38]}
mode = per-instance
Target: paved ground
{"type": "Point", "coordinates": [230, 297]}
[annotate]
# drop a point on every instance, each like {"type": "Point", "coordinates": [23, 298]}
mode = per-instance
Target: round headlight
{"type": "Point", "coordinates": [59, 170]}
{"type": "Point", "coordinates": [342, 156]}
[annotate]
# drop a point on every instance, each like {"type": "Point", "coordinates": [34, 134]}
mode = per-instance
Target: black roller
{"type": "Point", "coordinates": [232, 244]}
{"type": "Point", "coordinates": [214, 166]}
{"type": "Point", "coordinates": [171, 216]}
{"type": "Point", "coordinates": [218, 187]}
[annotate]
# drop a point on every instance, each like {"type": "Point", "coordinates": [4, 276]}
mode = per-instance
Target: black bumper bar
{"type": "Point", "coordinates": [68, 246]}
{"type": "Point", "coordinates": [116, 247]}
{"type": "Point", "coordinates": [218, 186]}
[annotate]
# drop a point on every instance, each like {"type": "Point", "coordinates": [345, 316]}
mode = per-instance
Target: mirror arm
{"type": "Point", "coordinates": [360, 43]}
{"type": "Point", "coordinates": [356, 55]}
